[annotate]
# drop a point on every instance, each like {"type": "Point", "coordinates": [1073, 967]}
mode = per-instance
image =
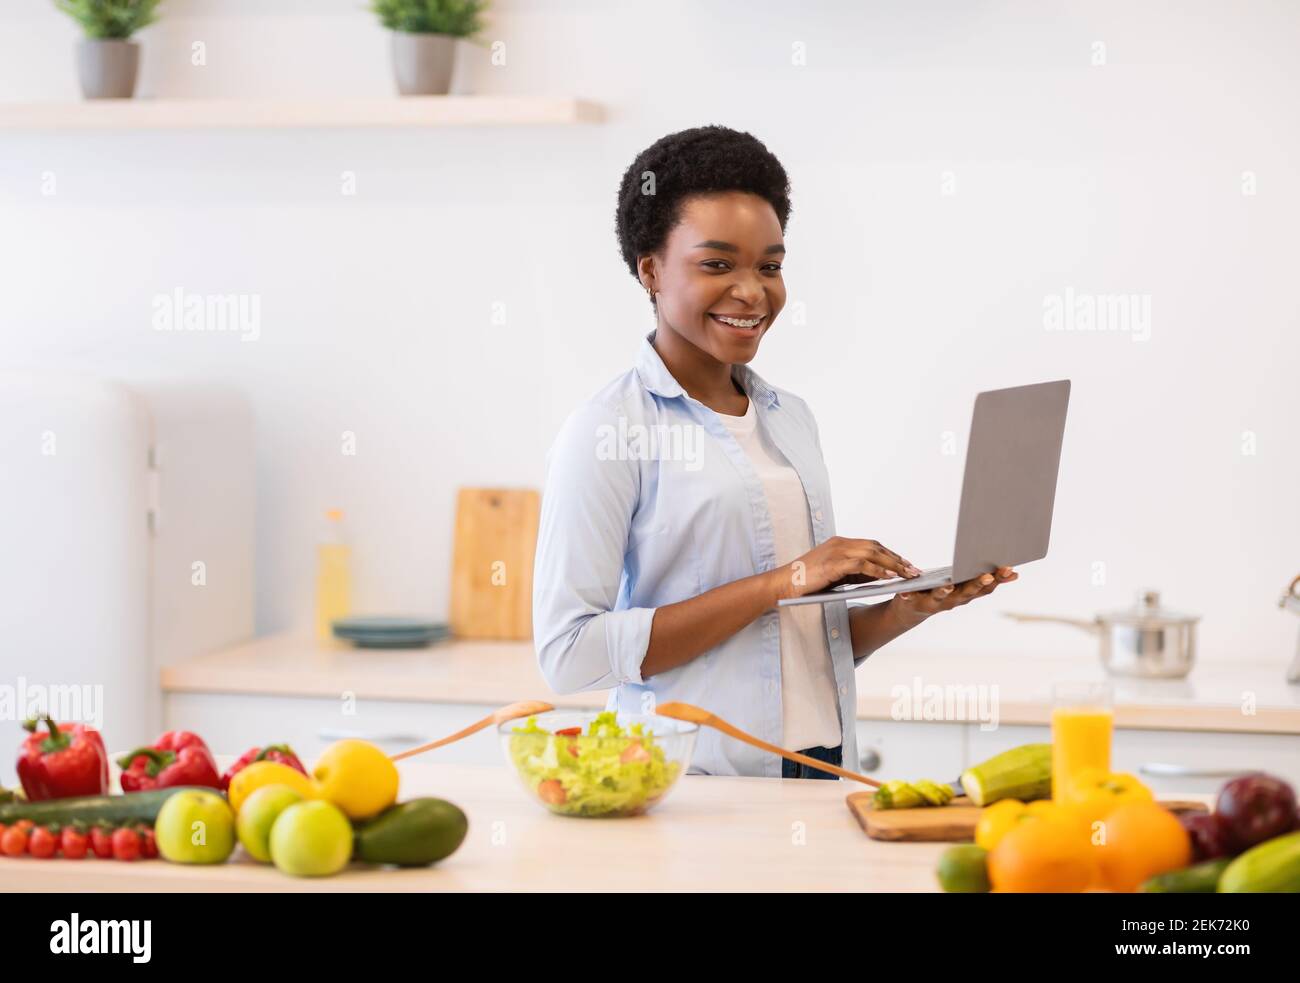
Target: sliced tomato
{"type": "Point", "coordinates": [634, 752]}
{"type": "Point", "coordinates": [551, 791]}
{"type": "Point", "coordinates": [569, 731]}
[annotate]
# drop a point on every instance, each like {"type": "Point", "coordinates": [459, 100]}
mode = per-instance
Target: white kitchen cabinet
{"type": "Point", "coordinates": [1169, 761]}
{"type": "Point", "coordinates": [231, 723]}
{"type": "Point", "coordinates": [910, 749]}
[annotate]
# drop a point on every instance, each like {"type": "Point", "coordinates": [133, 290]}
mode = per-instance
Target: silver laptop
{"type": "Point", "coordinates": [1007, 494]}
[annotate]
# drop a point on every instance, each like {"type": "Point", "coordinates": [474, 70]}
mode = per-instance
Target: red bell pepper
{"type": "Point", "coordinates": [281, 753]}
{"type": "Point", "coordinates": [69, 760]}
{"type": "Point", "coordinates": [176, 758]}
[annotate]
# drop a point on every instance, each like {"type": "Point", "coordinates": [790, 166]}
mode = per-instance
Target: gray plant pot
{"type": "Point", "coordinates": [107, 68]}
{"type": "Point", "coordinates": [422, 63]}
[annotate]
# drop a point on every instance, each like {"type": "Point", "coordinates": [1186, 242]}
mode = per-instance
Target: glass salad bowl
{"type": "Point", "coordinates": [589, 763]}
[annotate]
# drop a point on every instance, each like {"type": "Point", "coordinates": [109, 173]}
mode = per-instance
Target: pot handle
{"type": "Point", "coordinates": [1291, 599]}
{"type": "Point", "coordinates": [1158, 769]}
{"type": "Point", "coordinates": [1088, 626]}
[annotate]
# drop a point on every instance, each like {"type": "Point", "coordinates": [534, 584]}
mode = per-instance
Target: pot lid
{"type": "Point", "coordinates": [1147, 613]}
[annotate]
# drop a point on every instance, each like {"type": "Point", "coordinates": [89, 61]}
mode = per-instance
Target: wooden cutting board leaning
{"type": "Point", "coordinates": [953, 823]}
{"type": "Point", "coordinates": [492, 563]}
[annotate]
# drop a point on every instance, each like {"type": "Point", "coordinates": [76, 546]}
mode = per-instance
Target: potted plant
{"type": "Point", "coordinates": [107, 59]}
{"type": "Point", "coordinates": [424, 40]}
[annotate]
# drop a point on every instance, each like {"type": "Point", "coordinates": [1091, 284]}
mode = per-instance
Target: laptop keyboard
{"type": "Point", "coordinates": [929, 578]}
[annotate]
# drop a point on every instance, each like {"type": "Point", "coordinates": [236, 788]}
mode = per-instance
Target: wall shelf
{"type": "Point", "coordinates": [202, 114]}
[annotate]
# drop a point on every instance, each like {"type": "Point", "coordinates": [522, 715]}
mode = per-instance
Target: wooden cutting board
{"type": "Point", "coordinates": [492, 563]}
{"type": "Point", "coordinates": [953, 823]}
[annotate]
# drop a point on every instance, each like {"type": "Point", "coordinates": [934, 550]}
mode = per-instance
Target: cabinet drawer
{"type": "Point", "coordinates": [1201, 761]}
{"type": "Point", "coordinates": [909, 750]}
{"type": "Point", "coordinates": [231, 723]}
{"type": "Point", "coordinates": [1171, 761]}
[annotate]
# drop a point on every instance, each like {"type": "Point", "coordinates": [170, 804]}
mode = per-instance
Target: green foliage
{"type": "Point", "coordinates": [456, 18]}
{"type": "Point", "coordinates": [110, 18]}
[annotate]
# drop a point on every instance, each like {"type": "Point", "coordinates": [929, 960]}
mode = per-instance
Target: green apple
{"type": "Point", "coordinates": [195, 828]}
{"type": "Point", "coordinates": [258, 814]}
{"type": "Point", "coordinates": [311, 839]}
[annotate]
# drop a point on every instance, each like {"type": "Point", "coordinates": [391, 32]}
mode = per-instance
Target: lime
{"type": "Point", "coordinates": [964, 869]}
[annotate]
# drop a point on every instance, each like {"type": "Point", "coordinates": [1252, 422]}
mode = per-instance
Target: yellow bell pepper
{"type": "Point", "coordinates": [1095, 792]}
{"type": "Point", "coordinates": [997, 820]}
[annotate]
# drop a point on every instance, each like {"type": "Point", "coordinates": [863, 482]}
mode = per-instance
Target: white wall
{"type": "Point", "coordinates": [1123, 177]}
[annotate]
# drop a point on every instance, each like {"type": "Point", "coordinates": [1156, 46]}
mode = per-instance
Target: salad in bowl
{"type": "Point", "coordinates": [598, 764]}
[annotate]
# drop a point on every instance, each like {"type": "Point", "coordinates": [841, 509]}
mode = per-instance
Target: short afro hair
{"type": "Point", "coordinates": [703, 160]}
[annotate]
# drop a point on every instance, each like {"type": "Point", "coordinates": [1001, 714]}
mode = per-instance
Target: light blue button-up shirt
{"type": "Point", "coordinates": [648, 501]}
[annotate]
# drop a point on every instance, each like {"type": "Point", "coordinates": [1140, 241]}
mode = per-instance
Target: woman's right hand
{"type": "Point", "coordinates": [840, 560]}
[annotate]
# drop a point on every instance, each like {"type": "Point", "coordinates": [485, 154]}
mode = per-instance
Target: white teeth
{"type": "Point", "coordinates": [737, 323]}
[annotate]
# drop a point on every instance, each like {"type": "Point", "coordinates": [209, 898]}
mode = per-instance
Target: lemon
{"type": "Point", "coordinates": [261, 773]}
{"type": "Point", "coordinates": [357, 777]}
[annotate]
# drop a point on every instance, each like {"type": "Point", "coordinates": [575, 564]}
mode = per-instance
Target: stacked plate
{"type": "Point", "coordinates": [390, 632]}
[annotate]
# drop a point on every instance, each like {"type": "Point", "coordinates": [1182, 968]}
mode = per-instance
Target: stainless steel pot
{"type": "Point", "coordinates": [1290, 601]}
{"type": "Point", "coordinates": [1146, 640]}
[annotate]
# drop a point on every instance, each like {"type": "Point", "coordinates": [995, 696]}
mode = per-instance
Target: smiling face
{"type": "Point", "coordinates": [718, 280]}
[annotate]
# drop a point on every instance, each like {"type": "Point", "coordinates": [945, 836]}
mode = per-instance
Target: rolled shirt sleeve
{"type": "Point", "coordinates": [583, 642]}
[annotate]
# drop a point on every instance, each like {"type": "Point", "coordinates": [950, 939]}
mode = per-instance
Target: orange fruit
{"type": "Point", "coordinates": [1141, 839]}
{"type": "Point", "coordinates": [1046, 855]}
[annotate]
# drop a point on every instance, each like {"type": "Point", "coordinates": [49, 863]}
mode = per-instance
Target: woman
{"type": "Point", "coordinates": [688, 496]}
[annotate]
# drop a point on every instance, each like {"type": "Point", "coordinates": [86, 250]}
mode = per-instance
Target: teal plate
{"type": "Point", "coordinates": [388, 624]}
{"type": "Point", "coordinates": [383, 642]}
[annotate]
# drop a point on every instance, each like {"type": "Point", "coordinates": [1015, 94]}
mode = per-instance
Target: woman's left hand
{"type": "Point", "coordinates": [918, 605]}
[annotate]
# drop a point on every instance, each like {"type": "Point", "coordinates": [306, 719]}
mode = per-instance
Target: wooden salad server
{"type": "Point", "coordinates": [523, 708]}
{"type": "Point", "coordinates": [695, 715]}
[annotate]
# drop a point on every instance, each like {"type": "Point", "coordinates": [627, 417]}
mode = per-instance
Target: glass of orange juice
{"type": "Point", "coordinates": [1083, 720]}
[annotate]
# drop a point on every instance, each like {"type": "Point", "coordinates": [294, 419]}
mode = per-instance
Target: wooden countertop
{"type": "Point", "coordinates": [710, 833]}
{"type": "Point", "coordinates": [1247, 697]}
{"type": "Point", "coordinates": [447, 672]}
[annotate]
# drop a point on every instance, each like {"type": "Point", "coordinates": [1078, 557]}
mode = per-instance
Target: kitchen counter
{"type": "Point", "coordinates": [1245, 697]}
{"type": "Point", "coordinates": [711, 834]}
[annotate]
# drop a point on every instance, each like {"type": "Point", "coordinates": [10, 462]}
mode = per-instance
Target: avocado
{"type": "Point", "coordinates": [412, 834]}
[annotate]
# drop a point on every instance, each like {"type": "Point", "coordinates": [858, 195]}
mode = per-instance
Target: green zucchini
{"type": "Point", "coordinates": [1023, 773]}
{"type": "Point", "coordinates": [1202, 878]}
{"type": "Point", "coordinates": [411, 834]}
{"type": "Point", "coordinates": [1272, 867]}
{"type": "Point", "coordinates": [899, 794]}
{"type": "Point", "coordinates": [90, 809]}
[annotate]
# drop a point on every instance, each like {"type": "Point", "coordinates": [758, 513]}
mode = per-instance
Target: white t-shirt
{"type": "Point", "coordinates": [810, 714]}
